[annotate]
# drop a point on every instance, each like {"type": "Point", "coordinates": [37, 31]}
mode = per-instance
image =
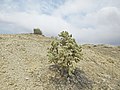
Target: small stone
{"type": "Point", "coordinates": [3, 71]}
{"type": "Point", "coordinates": [26, 78]}
{"type": "Point", "coordinates": [11, 83]}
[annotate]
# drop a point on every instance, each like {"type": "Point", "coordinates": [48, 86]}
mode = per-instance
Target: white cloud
{"type": "Point", "coordinates": [90, 21]}
{"type": "Point", "coordinates": [48, 24]}
{"type": "Point", "coordinates": [104, 26]}
{"type": "Point", "coordinates": [71, 7]}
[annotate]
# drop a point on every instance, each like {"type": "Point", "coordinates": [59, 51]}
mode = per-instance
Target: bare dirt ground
{"type": "Point", "coordinates": [24, 66]}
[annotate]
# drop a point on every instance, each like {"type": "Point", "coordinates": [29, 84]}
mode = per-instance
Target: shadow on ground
{"type": "Point", "coordinates": [77, 81]}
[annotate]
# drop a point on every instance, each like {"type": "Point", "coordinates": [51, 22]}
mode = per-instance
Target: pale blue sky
{"type": "Point", "coordinates": [90, 21]}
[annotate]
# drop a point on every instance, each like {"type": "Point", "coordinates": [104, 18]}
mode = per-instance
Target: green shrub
{"type": "Point", "coordinates": [54, 37]}
{"type": "Point", "coordinates": [118, 46]}
{"type": "Point", "coordinates": [37, 31]}
{"type": "Point", "coordinates": [65, 53]}
{"type": "Point", "coordinates": [0, 37]}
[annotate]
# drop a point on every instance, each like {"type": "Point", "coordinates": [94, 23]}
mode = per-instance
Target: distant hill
{"type": "Point", "coordinates": [24, 65]}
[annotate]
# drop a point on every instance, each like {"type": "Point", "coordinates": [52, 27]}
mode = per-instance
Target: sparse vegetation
{"type": "Point", "coordinates": [53, 37]}
{"type": "Point", "coordinates": [37, 31]}
{"type": "Point", "coordinates": [65, 53]}
{"type": "Point", "coordinates": [0, 37]}
{"type": "Point", "coordinates": [94, 45]}
{"type": "Point", "coordinates": [118, 46]}
{"type": "Point", "coordinates": [24, 65]}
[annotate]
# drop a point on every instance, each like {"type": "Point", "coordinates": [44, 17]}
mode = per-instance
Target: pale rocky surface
{"type": "Point", "coordinates": [24, 65]}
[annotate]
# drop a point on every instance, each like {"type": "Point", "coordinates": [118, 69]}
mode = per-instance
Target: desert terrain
{"type": "Point", "coordinates": [24, 65]}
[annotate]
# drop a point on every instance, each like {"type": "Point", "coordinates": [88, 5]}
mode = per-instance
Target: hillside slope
{"type": "Point", "coordinates": [24, 65]}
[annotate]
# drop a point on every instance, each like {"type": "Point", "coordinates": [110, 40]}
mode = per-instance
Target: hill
{"type": "Point", "coordinates": [24, 65]}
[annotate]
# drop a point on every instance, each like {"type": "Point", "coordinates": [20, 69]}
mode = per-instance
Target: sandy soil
{"type": "Point", "coordinates": [24, 65]}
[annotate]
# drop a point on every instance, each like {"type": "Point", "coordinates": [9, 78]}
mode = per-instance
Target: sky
{"type": "Point", "coordinates": [89, 21]}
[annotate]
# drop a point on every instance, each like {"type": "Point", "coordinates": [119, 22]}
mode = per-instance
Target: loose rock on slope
{"type": "Point", "coordinates": [24, 65]}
